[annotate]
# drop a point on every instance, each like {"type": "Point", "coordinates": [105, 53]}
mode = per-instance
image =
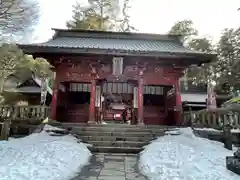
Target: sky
{"type": "Point", "coordinates": [210, 17]}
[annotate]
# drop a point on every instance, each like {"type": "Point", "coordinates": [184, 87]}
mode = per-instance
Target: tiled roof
{"type": "Point", "coordinates": [15, 83]}
{"type": "Point", "coordinates": [135, 45]}
{"type": "Point", "coordinates": [116, 43]}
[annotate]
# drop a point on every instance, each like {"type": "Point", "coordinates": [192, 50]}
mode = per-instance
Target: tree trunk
{"type": "Point", "coordinates": [2, 77]}
{"type": "Point", "coordinates": [101, 20]}
{"type": "Point", "coordinates": [2, 80]}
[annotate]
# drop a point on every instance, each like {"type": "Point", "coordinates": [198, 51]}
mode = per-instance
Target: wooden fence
{"type": "Point", "coordinates": [216, 119]}
{"type": "Point", "coordinates": [10, 116]}
{"type": "Point", "coordinates": [24, 113]}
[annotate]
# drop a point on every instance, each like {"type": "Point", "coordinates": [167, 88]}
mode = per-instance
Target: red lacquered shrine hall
{"type": "Point", "coordinates": [98, 74]}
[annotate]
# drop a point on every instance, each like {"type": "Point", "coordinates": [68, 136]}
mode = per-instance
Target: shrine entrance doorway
{"type": "Point", "coordinates": [117, 97]}
{"type": "Point", "coordinates": [76, 102]}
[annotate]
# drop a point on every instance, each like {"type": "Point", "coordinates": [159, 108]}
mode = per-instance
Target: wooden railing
{"type": "Point", "coordinates": [216, 119]}
{"type": "Point", "coordinates": [24, 112]}
{"type": "Point", "coordinates": [13, 116]}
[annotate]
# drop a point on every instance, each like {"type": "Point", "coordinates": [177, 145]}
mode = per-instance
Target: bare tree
{"type": "Point", "coordinates": [125, 25]}
{"type": "Point", "coordinates": [17, 16]}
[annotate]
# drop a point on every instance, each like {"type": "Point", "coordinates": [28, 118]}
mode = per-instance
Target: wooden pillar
{"type": "Point", "coordinates": [98, 104]}
{"type": "Point", "coordinates": [135, 105]}
{"type": "Point", "coordinates": [140, 98]}
{"type": "Point", "coordinates": [178, 105]}
{"type": "Point", "coordinates": [54, 98]}
{"type": "Point", "coordinates": [165, 105]}
{"type": "Point", "coordinates": [66, 104]}
{"type": "Point", "coordinates": [92, 100]}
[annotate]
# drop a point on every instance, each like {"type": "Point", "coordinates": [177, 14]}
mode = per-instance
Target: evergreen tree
{"type": "Point", "coordinates": [228, 60]}
{"type": "Point", "coordinates": [200, 75]}
{"type": "Point", "coordinates": [97, 15]}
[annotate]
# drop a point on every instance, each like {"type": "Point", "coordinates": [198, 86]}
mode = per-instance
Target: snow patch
{"type": "Point", "coordinates": [51, 128]}
{"type": "Point", "coordinates": [185, 157]}
{"type": "Point", "coordinates": [41, 156]}
{"type": "Point", "coordinates": [207, 129]}
{"type": "Point", "coordinates": [235, 130]}
{"type": "Point", "coordinates": [173, 132]}
{"type": "Point", "coordinates": [215, 130]}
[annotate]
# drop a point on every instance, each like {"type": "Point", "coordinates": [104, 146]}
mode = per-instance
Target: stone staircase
{"type": "Point", "coordinates": [116, 138]}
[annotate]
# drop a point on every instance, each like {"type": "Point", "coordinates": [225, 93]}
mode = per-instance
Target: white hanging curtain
{"type": "Point", "coordinates": [43, 91]}
{"type": "Point", "coordinates": [135, 97]}
{"type": "Point", "coordinates": [98, 96]}
{"type": "Point", "coordinates": [79, 87]}
{"type": "Point", "coordinates": [154, 90]}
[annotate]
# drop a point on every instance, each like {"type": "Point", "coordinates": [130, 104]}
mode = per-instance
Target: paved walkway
{"type": "Point", "coordinates": [111, 167]}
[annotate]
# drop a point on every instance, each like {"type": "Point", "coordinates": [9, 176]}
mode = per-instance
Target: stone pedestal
{"type": "Point", "coordinates": [233, 162]}
{"type": "Point", "coordinates": [227, 137]}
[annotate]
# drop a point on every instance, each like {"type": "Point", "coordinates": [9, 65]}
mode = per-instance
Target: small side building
{"type": "Point", "coordinates": [24, 86]}
{"type": "Point", "coordinates": [193, 96]}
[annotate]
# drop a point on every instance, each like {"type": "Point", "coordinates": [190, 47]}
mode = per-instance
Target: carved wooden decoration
{"type": "Point", "coordinates": [130, 69]}
{"type": "Point", "coordinates": [84, 69]}
{"type": "Point", "coordinates": [158, 70]}
{"type": "Point", "coordinates": [106, 68]}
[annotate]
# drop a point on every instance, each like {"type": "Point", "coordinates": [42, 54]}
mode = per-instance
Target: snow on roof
{"type": "Point", "coordinates": [27, 89]}
{"type": "Point", "coordinates": [193, 97]}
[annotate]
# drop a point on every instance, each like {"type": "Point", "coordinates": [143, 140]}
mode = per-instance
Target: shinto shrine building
{"type": "Point", "coordinates": [98, 74]}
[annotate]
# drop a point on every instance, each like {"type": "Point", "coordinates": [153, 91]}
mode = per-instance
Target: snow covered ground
{"type": "Point", "coordinates": [185, 157]}
{"type": "Point", "coordinates": [42, 157]}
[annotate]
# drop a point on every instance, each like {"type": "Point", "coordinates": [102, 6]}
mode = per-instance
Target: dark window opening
{"type": "Point", "coordinates": [153, 100]}
{"type": "Point", "coordinates": [79, 97]}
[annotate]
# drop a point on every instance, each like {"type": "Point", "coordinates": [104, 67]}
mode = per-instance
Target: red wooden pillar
{"type": "Point", "coordinates": [54, 98]}
{"type": "Point", "coordinates": [92, 101]}
{"type": "Point", "coordinates": [140, 99]}
{"type": "Point", "coordinates": [166, 101]}
{"type": "Point", "coordinates": [178, 106]}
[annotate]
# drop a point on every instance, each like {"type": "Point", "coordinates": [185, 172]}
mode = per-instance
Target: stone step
{"type": "Point", "coordinates": [119, 125]}
{"type": "Point", "coordinates": [116, 129]}
{"type": "Point", "coordinates": [107, 149]}
{"type": "Point", "coordinates": [118, 143]}
{"type": "Point", "coordinates": [117, 134]}
{"type": "Point", "coordinates": [113, 138]}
